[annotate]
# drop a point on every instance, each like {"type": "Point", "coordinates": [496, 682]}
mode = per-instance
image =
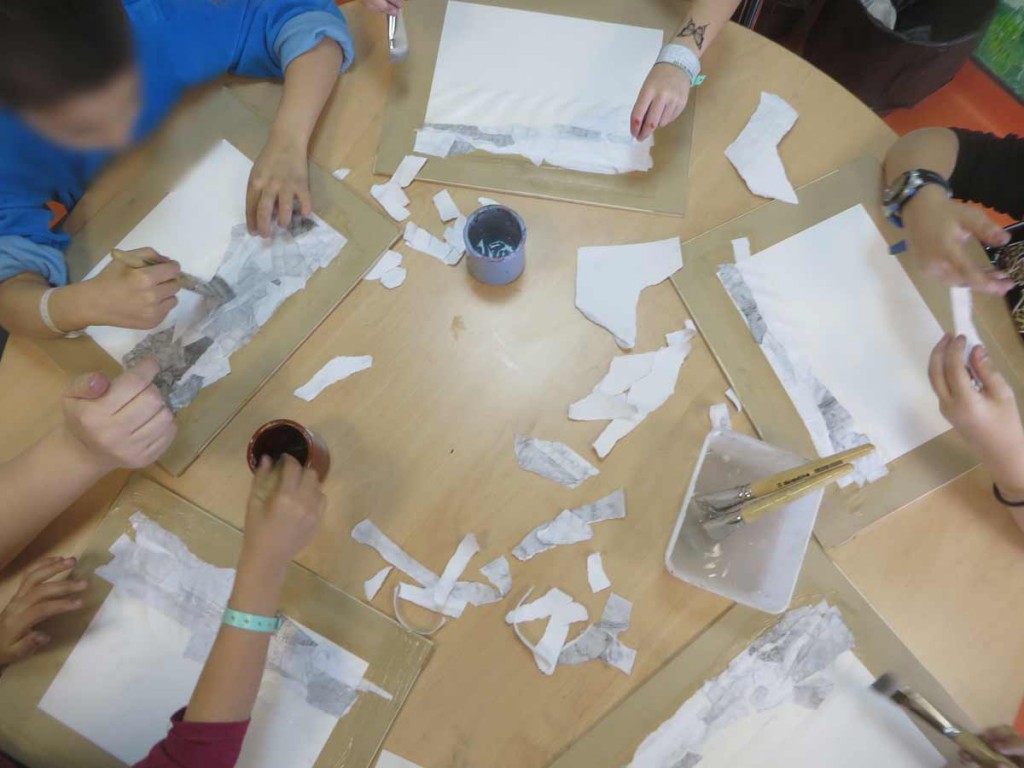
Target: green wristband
{"type": "Point", "coordinates": [252, 622]}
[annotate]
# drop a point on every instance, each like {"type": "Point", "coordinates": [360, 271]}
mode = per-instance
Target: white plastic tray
{"type": "Point", "coordinates": [758, 564]}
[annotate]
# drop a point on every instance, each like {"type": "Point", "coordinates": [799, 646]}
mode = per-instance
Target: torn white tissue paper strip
{"type": "Point", "coordinates": [387, 261]}
{"type": "Point", "coordinates": [434, 143]}
{"type": "Point", "coordinates": [651, 391]}
{"type": "Point", "coordinates": [487, 201]}
{"type": "Point", "coordinates": [549, 103]}
{"type": "Point", "coordinates": [740, 249]}
{"type": "Point", "coordinates": [541, 608]}
{"type": "Point", "coordinates": [963, 320]}
{"type": "Point", "coordinates": [734, 399]}
{"type": "Point", "coordinates": [719, 415]}
{"type": "Point", "coordinates": [755, 153]}
{"type": "Point", "coordinates": [625, 371]}
{"type": "Point", "coordinates": [456, 565]}
{"type": "Point", "coordinates": [392, 199]}
{"type": "Point", "coordinates": [393, 277]}
{"type": "Point", "coordinates": [407, 170]}
{"type": "Point", "coordinates": [598, 406]}
{"type": "Point", "coordinates": [797, 697]}
{"type": "Point", "coordinates": [609, 280]}
{"type": "Point", "coordinates": [601, 640]}
{"type": "Point", "coordinates": [553, 460]}
{"type": "Point", "coordinates": [390, 759]}
{"type": "Point", "coordinates": [498, 573]}
{"type": "Point", "coordinates": [420, 240]}
{"type": "Point", "coordinates": [341, 174]}
{"type": "Point", "coordinates": [611, 507]}
{"type": "Point", "coordinates": [366, 532]}
{"type": "Point", "coordinates": [596, 576]}
{"type": "Point", "coordinates": [424, 598]}
{"type": "Point", "coordinates": [148, 643]}
{"type": "Point", "coordinates": [848, 335]}
{"type": "Point", "coordinates": [453, 235]}
{"type": "Point", "coordinates": [446, 207]}
{"type": "Point", "coordinates": [372, 585]}
{"type": "Point", "coordinates": [338, 369]}
{"type": "Point", "coordinates": [547, 651]}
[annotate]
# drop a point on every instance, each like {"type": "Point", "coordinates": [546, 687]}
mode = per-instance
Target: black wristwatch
{"type": "Point", "coordinates": [905, 187]}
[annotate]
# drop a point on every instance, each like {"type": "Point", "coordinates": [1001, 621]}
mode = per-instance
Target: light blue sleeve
{"type": "Point", "coordinates": [19, 254]}
{"type": "Point", "coordinates": [302, 33]}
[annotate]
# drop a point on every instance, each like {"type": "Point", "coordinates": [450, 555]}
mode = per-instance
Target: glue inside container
{"type": "Point", "coordinates": [284, 437]}
{"type": "Point", "coordinates": [495, 238]}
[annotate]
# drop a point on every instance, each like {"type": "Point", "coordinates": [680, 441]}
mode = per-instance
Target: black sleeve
{"type": "Point", "coordinates": [990, 170]}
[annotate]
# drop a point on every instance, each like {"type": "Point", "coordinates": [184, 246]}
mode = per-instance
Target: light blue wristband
{"type": "Point", "coordinates": [252, 622]}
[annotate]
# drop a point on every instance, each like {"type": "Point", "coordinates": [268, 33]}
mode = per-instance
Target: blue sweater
{"type": "Point", "coordinates": [179, 44]}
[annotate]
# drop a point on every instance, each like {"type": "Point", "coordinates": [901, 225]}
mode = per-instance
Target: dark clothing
{"type": "Point", "coordinates": [197, 745]}
{"type": "Point", "coordinates": [990, 170]}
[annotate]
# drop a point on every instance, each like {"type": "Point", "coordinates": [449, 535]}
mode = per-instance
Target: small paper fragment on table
{"type": "Point", "coordinates": [407, 170]}
{"type": "Point", "coordinates": [719, 415]}
{"type": "Point", "coordinates": [547, 651]}
{"type": "Point", "coordinates": [734, 399]}
{"type": "Point", "coordinates": [540, 608]}
{"type": "Point", "coordinates": [498, 573]}
{"type": "Point", "coordinates": [387, 261]}
{"type": "Point", "coordinates": [611, 507]}
{"type": "Point", "coordinates": [366, 532]}
{"type": "Point", "coordinates": [487, 201]}
{"type": "Point", "coordinates": [434, 143]}
{"type": "Point", "coordinates": [424, 598]}
{"type": "Point", "coordinates": [393, 277]}
{"type": "Point", "coordinates": [740, 249]}
{"type": "Point", "coordinates": [755, 153]}
{"type": "Point", "coordinates": [610, 279]}
{"type": "Point", "coordinates": [446, 207]}
{"type": "Point", "coordinates": [601, 640]}
{"type": "Point", "coordinates": [553, 460]}
{"type": "Point", "coordinates": [456, 565]}
{"type": "Point", "coordinates": [390, 759]}
{"type": "Point", "coordinates": [372, 585]}
{"type": "Point", "coordinates": [341, 174]}
{"type": "Point", "coordinates": [336, 370]}
{"type": "Point", "coordinates": [596, 576]}
{"type": "Point", "coordinates": [567, 528]}
{"type": "Point", "coordinates": [421, 240]}
{"type": "Point", "coordinates": [963, 318]}
{"type": "Point", "coordinates": [598, 406]}
{"type": "Point", "coordinates": [392, 199]}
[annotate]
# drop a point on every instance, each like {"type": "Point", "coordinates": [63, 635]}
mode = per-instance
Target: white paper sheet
{"type": "Point", "coordinates": [446, 207]}
{"type": "Point", "coordinates": [843, 311]}
{"type": "Point", "coordinates": [609, 280]}
{"type": "Point", "coordinates": [553, 460]}
{"type": "Point", "coordinates": [963, 318]}
{"type": "Point", "coordinates": [564, 530]}
{"type": "Point", "coordinates": [567, 104]}
{"type": "Point", "coordinates": [434, 143]}
{"type": "Point", "coordinates": [372, 585]}
{"type": "Point", "coordinates": [390, 759]}
{"type": "Point", "coordinates": [596, 576]}
{"type": "Point", "coordinates": [338, 369]}
{"type": "Point", "coordinates": [755, 153]}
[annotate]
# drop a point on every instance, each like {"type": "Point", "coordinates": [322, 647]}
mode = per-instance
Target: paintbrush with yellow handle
{"type": "Point", "coordinates": [723, 500]}
{"type": "Point", "coordinates": [720, 523]}
{"type": "Point", "coordinates": [216, 289]}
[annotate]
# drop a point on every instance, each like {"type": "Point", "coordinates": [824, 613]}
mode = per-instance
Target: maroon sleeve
{"type": "Point", "coordinates": [197, 745]}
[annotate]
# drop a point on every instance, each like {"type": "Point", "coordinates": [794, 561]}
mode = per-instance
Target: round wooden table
{"type": "Point", "coordinates": [422, 442]}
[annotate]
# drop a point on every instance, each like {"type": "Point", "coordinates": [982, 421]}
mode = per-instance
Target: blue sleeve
{"type": "Point", "coordinates": [19, 254]}
{"type": "Point", "coordinates": [27, 243]}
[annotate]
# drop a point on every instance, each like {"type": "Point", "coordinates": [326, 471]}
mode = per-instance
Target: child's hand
{"type": "Point", "coordinates": [390, 7]}
{"type": "Point", "coordinates": [987, 418]}
{"type": "Point", "coordinates": [279, 178]}
{"type": "Point", "coordinates": [662, 99]}
{"type": "Point", "coordinates": [124, 423]}
{"type": "Point", "coordinates": [133, 298]}
{"type": "Point", "coordinates": [938, 230]}
{"type": "Point", "coordinates": [285, 509]}
{"type": "Point", "coordinates": [37, 600]}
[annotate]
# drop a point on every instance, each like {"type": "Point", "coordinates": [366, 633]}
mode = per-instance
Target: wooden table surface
{"type": "Point", "coordinates": [422, 442]}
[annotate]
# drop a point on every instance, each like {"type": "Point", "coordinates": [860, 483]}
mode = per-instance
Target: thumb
{"type": "Point", "coordinates": [991, 380]}
{"type": "Point", "coordinates": [976, 222]}
{"type": "Point", "coordinates": [88, 386]}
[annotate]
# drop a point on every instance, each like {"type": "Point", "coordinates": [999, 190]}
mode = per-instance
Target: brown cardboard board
{"type": "Point", "coordinates": [396, 656]}
{"type": "Point", "coordinates": [172, 152]}
{"type": "Point", "coordinates": [663, 189]}
{"type": "Point", "coordinates": [843, 512]}
{"type": "Point", "coordinates": [614, 739]}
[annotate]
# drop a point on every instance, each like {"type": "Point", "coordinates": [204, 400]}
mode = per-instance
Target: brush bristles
{"type": "Point", "coordinates": [886, 685]}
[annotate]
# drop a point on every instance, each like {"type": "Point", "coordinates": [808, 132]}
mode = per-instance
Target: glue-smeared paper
{"type": "Point", "coordinates": [601, 640]}
{"type": "Point", "coordinates": [755, 153]}
{"type": "Point", "coordinates": [263, 273]}
{"type": "Point", "coordinates": [556, 104]}
{"type": "Point", "coordinates": [571, 526]}
{"type": "Point", "coordinates": [553, 460]}
{"type": "Point", "coordinates": [610, 279]}
{"type": "Point", "coordinates": [561, 611]}
{"type": "Point", "coordinates": [456, 565]}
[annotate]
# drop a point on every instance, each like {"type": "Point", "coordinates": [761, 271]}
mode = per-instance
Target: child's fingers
{"type": "Point", "coordinates": [265, 211]}
{"type": "Point", "coordinates": [54, 589]}
{"type": "Point", "coordinates": [40, 612]}
{"type": "Point", "coordinates": [291, 474]}
{"type": "Point", "coordinates": [42, 571]}
{"type": "Point", "coordinates": [991, 380]}
{"type": "Point", "coordinates": [285, 206]}
{"type": "Point", "coordinates": [27, 645]}
{"type": "Point", "coordinates": [639, 116]}
{"type": "Point", "coordinates": [935, 368]}
{"type": "Point", "coordinates": [654, 115]}
{"type": "Point", "coordinates": [957, 377]}
{"type": "Point", "coordinates": [305, 201]}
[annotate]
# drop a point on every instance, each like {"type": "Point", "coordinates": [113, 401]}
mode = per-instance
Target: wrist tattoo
{"type": "Point", "coordinates": [696, 32]}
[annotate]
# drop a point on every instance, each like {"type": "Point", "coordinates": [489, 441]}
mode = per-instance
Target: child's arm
{"type": "Point", "coordinates": [276, 529]}
{"type": "Point", "coordinates": [666, 90]}
{"type": "Point", "coordinates": [280, 175]}
{"type": "Point", "coordinates": [987, 419]}
{"type": "Point", "coordinates": [938, 228]}
{"type": "Point", "coordinates": [107, 425]}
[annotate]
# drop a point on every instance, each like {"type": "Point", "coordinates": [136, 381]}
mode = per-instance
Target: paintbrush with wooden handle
{"type": "Point", "coordinates": [216, 289]}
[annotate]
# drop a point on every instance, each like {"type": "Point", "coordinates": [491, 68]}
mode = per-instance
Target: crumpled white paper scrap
{"type": "Point", "coordinates": [596, 575]}
{"type": "Point", "coordinates": [487, 201]}
{"type": "Point", "coordinates": [755, 153]}
{"type": "Point", "coordinates": [336, 370]}
{"type": "Point", "coordinates": [498, 573]}
{"type": "Point", "coordinates": [611, 507]}
{"type": "Point", "coordinates": [963, 320]}
{"type": "Point", "coordinates": [719, 415]}
{"type": "Point", "coordinates": [387, 261]}
{"type": "Point", "coordinates": [341, 174]}
{"type": "Point", "coordinates": [446, 206]}
{"type": "Point", "coordinates": [424, 598]}
{"type": "Point", "coordinates": [392, 198]}
{"type": "Point", "coordinates": [783, 664]}
{"type": "Point", "coordinates": [390, 759]}
{"type": "Point", "coordinates": [598, 406]}
{"type": "Point", "coordinates": [566, 528]}
{"type": "Point", "coordinates": [740, 249]}
{"type": "Point", "coordinates": [372, 585]}
{"type": "Point", "coordinates": [553, 460]}
{"type": "Point", "coordinates": [609, 280]}
{"type": "Point", "coordinates": [456, 565]}
{"type": "Point", "coordinates": [601, 640]}
{"type": "Point", "coordinates": [562, 610]}
{"type": "Point", "coordinates": [734, 399]}
{"type": "Point", "coordinates": [453, 235]}
{"type": "Point", "coordinates": [421, 240]}
{"type": "Point", "coordinates": [434, 143]}
{"type": "Point", "coordinates": [541, 608]}
{"type": "Point", "coordinates": [407, 170]}
{"type": "Point", "coordinates": [651, 391]}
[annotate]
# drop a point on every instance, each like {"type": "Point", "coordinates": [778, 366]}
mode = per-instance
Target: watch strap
{"type": "Point", "coordinates": [1002, 500]}
{"type": "Point", "coordinates": [685, 59]}
{"type": "Point", "coordinates": [906, 186]}
{"type": "Point", "coordinates": [251, 622]}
